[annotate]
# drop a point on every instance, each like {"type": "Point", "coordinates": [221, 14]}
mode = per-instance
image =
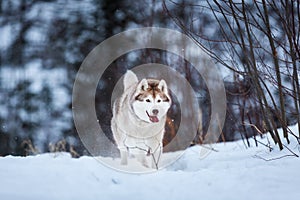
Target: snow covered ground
{"type": "Point", "coordinates": [230, 171]}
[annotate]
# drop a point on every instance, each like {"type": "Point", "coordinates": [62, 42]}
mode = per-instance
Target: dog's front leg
{"type": "Point", "coordinates": [124, 156]}
{"type": "Point", "coordinates": [141, 157]}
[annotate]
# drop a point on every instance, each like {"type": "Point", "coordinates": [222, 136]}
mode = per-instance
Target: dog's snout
{"type": "Point", "coordinates": [155, 111]}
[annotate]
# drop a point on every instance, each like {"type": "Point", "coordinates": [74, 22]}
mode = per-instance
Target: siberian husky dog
{"type": "Point", "coordinates": [139, 118]}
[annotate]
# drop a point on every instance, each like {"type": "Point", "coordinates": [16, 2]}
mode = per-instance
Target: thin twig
{"type": "Point", "coordinates": [276, 158]}
{"type": "Point", "coordinates": [209, 148]}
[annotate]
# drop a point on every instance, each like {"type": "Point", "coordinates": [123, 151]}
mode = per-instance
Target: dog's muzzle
{"type": "Point", "coordinates": [153, 118]}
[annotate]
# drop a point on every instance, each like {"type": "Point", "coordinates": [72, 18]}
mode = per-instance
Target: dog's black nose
{"type": "Point", "coordinates": [155, 111]}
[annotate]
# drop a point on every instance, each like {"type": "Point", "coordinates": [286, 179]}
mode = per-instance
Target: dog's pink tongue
{"type": "Point", "coordinates": [153, 119]}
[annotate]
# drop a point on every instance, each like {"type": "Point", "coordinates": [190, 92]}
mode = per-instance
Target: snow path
{"type": "Point", "coordinates": [233, 172]}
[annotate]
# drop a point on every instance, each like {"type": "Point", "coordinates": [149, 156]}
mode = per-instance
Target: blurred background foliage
{"type": "Point", "coordinates": [43, 43]}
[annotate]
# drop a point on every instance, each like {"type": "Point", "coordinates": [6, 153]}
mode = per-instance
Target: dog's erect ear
{"type": "Point", "coordinates": [163, 86]}
{"type": "Point", "coordinates": [130, 79]}
{"type": "Point", "coordinates": [143, 85]}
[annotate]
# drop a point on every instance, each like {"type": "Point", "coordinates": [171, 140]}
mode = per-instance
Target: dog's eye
{"type": "Point", "coordinates": [158, 101]}
{"type": "Point", "coordinates": [147, 100]}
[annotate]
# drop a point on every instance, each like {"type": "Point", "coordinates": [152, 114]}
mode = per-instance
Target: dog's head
{"type": "Point", "coordinates": [151, 100]}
